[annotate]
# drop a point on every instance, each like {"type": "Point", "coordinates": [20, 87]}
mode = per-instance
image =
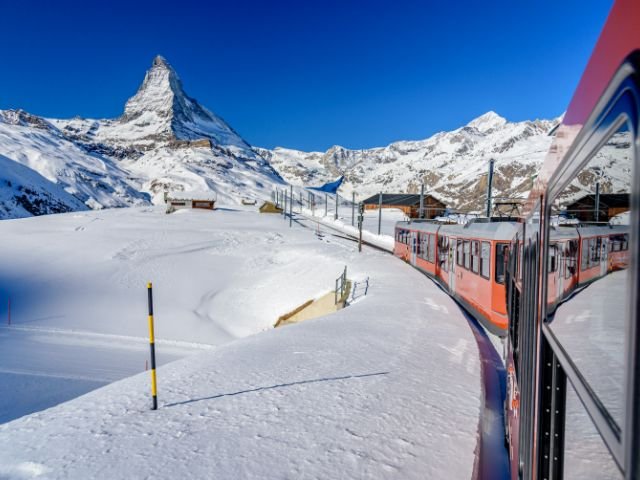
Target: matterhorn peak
{"type": "Point", "coordinates": [160, 61]}
{"type": "Point", "coordinates": [487, 121]}
{"type": "Point", "coordinates": [159, 91]}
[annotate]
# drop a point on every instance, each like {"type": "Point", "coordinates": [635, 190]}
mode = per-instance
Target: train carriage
{"type": "Point", "coordinates": [468, 260]}
{"type": "Point", "coordinates": [573, 362]}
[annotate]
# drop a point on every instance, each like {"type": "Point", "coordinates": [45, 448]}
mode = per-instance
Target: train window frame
{"type": "Point", "coordinates": [619, 105]}
{"type": "Point", "coordinates": [485, 263]}
{"type": "Point", "coordinates": [459, 256]}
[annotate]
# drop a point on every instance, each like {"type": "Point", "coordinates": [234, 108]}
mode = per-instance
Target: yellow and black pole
{"type": "Point", "coordinates": [154, 387]}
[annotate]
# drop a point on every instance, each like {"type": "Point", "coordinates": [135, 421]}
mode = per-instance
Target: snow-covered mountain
{"type": "Point", "coordinates": [96, 180]}
{"type": "Point", "coordinates": [163, 140]}
{"type": "Point", "coordinates": [451, 164]}
{"type": "Point", "coordinates": [166, 140]}
{"type": "Point", "coordinates": [24, 193]}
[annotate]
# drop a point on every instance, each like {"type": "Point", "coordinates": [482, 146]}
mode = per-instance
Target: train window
{"type": "Point", "coordinates": [432, 249]}
{"type": "Point", "coordinates": [619, 243]}
{"type": "Point", "coordinates": [584, 255]}
{"type": "Point", "coordinates": [585, 454]}
{"type": "Point", "coordinates": [485, 259]}
{"type": "Point", "coordinates": [520, 250]}
{"type": "Point", "coordinates": [501, 250]}
{"type": "Point", "coordinates": [590, 322]}
{"type": "Point", "coordinates": [570, 253]}
{"type": "Point", "coordinates": [467, 256]}
{"type": "Point", "coordinates": [425, 251]}
{"type": "Point", "coordinates": [459, 256]}
{"type": "Point", "coordinates": [475, 256]}
{"type": "Point", "coordinates": [553, 253]}
{"type": "Point", "coordinates": [425, 245]}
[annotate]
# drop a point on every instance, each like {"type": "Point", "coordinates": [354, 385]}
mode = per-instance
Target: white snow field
{"type": "Point", "coordinates": [388, 387]}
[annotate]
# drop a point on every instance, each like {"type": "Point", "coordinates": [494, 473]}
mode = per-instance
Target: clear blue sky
{"type": "Point", "coordinates": [304, 74]}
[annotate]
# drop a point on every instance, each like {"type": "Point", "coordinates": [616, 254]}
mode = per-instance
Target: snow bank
{"type": "Point", "coordinates": [388, 387]}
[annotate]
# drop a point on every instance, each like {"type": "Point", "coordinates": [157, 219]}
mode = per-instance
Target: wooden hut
{"type": "Point", "coordinates": [408, 203]}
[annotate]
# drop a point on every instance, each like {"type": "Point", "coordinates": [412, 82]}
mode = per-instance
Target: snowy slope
{"type": "Point", "coordinates": [24, 192]}
{"type": "Point", "coordinates": [97, 181]}
{"type": "Point", "coordinates": [388, 387]}
{"type": "Point", "coordinates": [451, 164]}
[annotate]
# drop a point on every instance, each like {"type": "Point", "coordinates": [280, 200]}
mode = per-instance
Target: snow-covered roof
{"type": "Point", "coordinates": [194, 195]}
{"type": "Point", "coordinates": [491, 230]}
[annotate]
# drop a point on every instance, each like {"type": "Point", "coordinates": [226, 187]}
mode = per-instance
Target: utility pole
{"type": "Point", "coordinates": [360, 220]}
{"type": "Point", "coordinates": [326, 204]}
{"type": "Point", "coordinates": [291, 207]}
{"type": "Point", "coordinates": [335, 217]}
{"type": "Point", "coordinates": [421, 213]}
{"type": "Point", "coordinates": [489, 186]}
{"type": "Point", "coordinates": [353, 208]}
{"type": "Point", "coordinates": [284, 210]}
{"type": "Point", "coordinates": [597, 202]}
{"type": "Point", "coordinates": [380, 213]}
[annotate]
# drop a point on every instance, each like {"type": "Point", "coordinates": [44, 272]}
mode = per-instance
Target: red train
{"type": "Point", "coordinates": [469, 261]}
{"type": "Point", "coordinates": [565, 298]}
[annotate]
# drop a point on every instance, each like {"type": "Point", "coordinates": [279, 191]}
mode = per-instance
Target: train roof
{"type": "Point", "coordinates": [606, 229]}
{"type": "Point", "coordinates": [489, 230]}
{"type": "Point", "coordinates": [563, 232]}
{"type": "Point", "coordinates": [429, 227]}
{"type": "Point", "coordinates": [493, 230]}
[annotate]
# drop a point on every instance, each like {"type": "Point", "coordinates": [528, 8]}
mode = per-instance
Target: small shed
{"type": "Point", "coordinates": [408, 203]}
{"type": "Point", "coordinates": [610, 205]}
{"type": "Point", "coordinates": [270, 207]}
{"type": "Point", "coordinates": [189, 200]}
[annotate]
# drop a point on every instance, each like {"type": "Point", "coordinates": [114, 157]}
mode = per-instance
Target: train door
{"type": "Point", "coordinates": [452, 264]}
{"type": "Point", "coordinates": [604, 256]}
{"type": "Point", "coordinates": [560, 258]}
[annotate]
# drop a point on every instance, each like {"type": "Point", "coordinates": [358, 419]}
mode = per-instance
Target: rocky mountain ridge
{"type": "Point", "coordinates": [452, 165]}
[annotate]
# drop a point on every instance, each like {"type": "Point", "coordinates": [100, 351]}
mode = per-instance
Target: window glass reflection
{"type": "Point", "coordinates": [585, 455]}
{"type": "Point", "coordinates": [587, 294]}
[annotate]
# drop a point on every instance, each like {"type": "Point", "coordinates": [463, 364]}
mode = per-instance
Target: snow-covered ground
{"type": "Point", "coordinates": [347, 220]}
{"type": "Point", "coordinates": [388, 387]}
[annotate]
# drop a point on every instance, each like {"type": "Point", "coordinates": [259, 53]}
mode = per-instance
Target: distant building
{"type": "Point", "coordinates": [189, 200]}
{"type": "Point", "coordinates": [408, 203]}
{"type": "Point", "coordinates": [611, 204]}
